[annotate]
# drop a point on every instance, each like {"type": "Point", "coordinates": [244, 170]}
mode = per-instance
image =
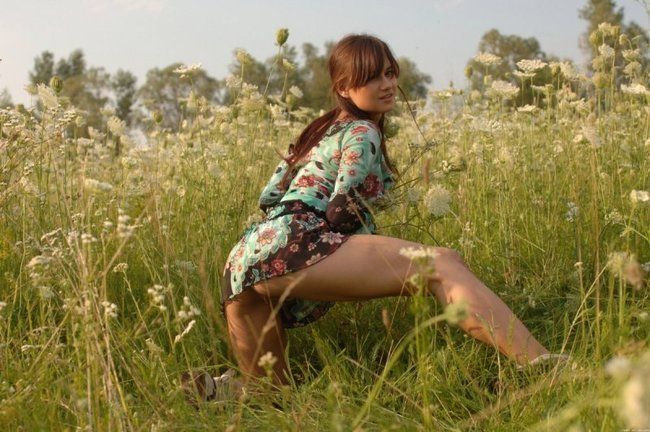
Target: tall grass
{"type": "Point", "coordinates": [111, 255]}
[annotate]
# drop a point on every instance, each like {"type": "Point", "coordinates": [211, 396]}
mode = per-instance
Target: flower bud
{"type": "Point", "coordinates": [56, 84]}
{"type": "Point", "coordinates": [469, 71]}
{"type": "Point", "coordinates": [281, 36]}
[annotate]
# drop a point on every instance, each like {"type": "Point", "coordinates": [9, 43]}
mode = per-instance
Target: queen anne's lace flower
{"type": "Point", "coordinates": [531, 66]}
{"type": "Point", "coordinates": [487, 59]}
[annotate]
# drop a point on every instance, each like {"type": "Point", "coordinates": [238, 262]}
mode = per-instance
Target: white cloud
{"type": "Point", "coordinates": [129, 5]}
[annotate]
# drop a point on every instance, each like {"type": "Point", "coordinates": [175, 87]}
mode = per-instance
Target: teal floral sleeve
{"type": "Point", "coordinates": [273, 193]}
{"type": "Point", "coordinates": [356, 183]}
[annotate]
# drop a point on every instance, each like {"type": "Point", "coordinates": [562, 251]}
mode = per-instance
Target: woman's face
{"type": "Point", "coordinates": [377, 96]}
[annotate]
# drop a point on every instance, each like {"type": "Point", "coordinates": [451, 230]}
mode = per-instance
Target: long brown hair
{"type": "Point", "coordinates": [354, 60]}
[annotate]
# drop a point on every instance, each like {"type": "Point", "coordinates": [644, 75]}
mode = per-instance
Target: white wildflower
{"type": "Point", "coordinates": [572, 212]}
{"type": "Point", "coordinates": [437, 200]}
{"type": "Point", "coordinates": [120, 268]}
{"type": "Point", "coordinates": [124, 230]}
{"type": "Point", "coordinates": [87, 238]}
{"type": "Point", "coordinates": [631, 54]}
{"type": "Point", "coordinates": [296, 92]}
{"type": "Point", "coordinates": [413, 195]}
{"type": "Point", "coordinates": [116, 126]}
{"type": "Point", "coordinates": [636, 401]}
{"type": "Point", "coordinates": [606, 51]}
{"type": "Point", "coordinates": [608, 29]}
{"type": "Point", "coordinates": [633, 69]}
{"type": "Point", "coordinates": [635, 89]}
{"type": "Point", "coordinates": [182, 69]}
{"type": "Point", "coordinates": [456, 312]}
{"type": "Point", "coordinates": [287, 65]}
{"type": "Point", "coordinates": [267, 361]}
{"type": "Point", "coordinates": [421, 253]}
{"type": "Point", "coordinates": [47, 96]}
{"type": "Point", "coordinates": [504, 89]}
{"type": "Point", "coordinates": [531, 66]}
{"type": "Point", "coordinates": [110, 309]}
{"type": "Point", "coordinates": [243, 56]}
{"type": "Point", "coordinates": [487, 59]}
{"type": "Point", "coordinates": [187, 310]}
{"type": "Point", "coordinates": [233, 81]}
{"type": "Point", "coordinates": [523, 75]}
{"type": "Point", "coordinates": [527, 109]}
{"type": "Point", "coordinates": [617, 366]}
{"type": "Point", "coordinates": [157, 293]}
{"type": "Point", "coordinates": [97, 186]}
{"type": "Point", "coordinates": [639, 196]}
{"type": "Point", "coordinates": [568, 70]}
{"type": "Point", "coordinates": [591, 134]}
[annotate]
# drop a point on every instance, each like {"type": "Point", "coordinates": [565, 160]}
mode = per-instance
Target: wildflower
{"type": "Point", "coordinates": [531, 66]}
{"type": "Point", "coordinates": [97, 186]}
{"type": "Point", "coordinates": [437, 200]}
{"type": "Point", "coordinates": [116, 126]}
{"type": "Point", "coordinates": [187, 311]}
{"type": "Point", "coordinates": [591, 135]}
{"type": "Point", "coordinates": [607, 29]}
{"type": "Point", "coordinates": [267, 361]}
{"type": "Point", "coordinates": [639, 196]}
{"type": "Point", "coordinates": [423, 253]}
{"type": "Point", "coordinates": [183, 70]}
{"type": "Point", "coordinates": [243, 57]}
{"type": "Point", "coordinates": [413, 195]}
{"type": "Point", "coordinates": [456, 312]}
{"type": "Point", "coordinates": [110, 309]}
{"type": "Point", "coordinates": [617, 366]}
{"type": "Point", "coordinates": [636, 399]}
{"type": "Point", "coordinates": [631, 55]}
{"type": "Point", "coordinates": [572, 213]}
{"type": "Point", "coordinates": [632, 69]}
{"type": "Point", "coordinates": [625, 266]}
{"type": "Point", "coordinates": [232, 81]}
{"type": "Point", "coordinates": [184, 332]}
{"type": "Point", "coordinates": [487, 59]}
{"type": "Point", "coordinates": [635, 89]}
{"type": "Point", "coordinates": [157, 296]}
{"type": "Point", "coordinates": [47, 96]}
{"type": "Point", "coordinates": [523, 75]}
{"type": "Point", "coordinates": [56, 84]}
{"type": "Point", "coordinates": [504, 89]}
{"type": "Point", "coordinates": [615, 217]}
{"type": "Point", "coordinates": [287, 65]}
{"type": "Point", "coordinates": [120, 268]}
{"type": "Point", "coordinates": [124, 230]}
{"type": "Point", "coordinates": [281, 36]}
{"type": "Point", "coordinates": [527, 109]}
{"type": "Point", "coordinates": [568, 71]}
{"type": "Point", "coordinates": [606, 51]}
{"type": "Point", "coordinates": [296, 92]}
{"type": "Point", "coordinates": [87, 238]}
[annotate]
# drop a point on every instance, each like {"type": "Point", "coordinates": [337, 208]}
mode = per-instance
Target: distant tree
{"type": "Point", "coordinates": [124, 88]}
{"type": "Point", "coordinates": [413, 82]}
{"type": "Point", "coordinates": [163, 91]}
{"type": "Point", "coordinates": [5, 99]}
{"type": "Point", "coordinates": [43, 68]}
{"type": "Point", "coordinates": [85, 88]}
{"type": "Point", "coordinates": [315, 75]}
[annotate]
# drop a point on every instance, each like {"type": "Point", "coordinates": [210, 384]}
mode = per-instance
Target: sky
{"type": "Point", "coordinates": [138, 35]}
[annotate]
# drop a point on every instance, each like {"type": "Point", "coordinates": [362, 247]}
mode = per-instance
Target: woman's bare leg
{"type": "Point", "coordinates": [254, 330]}
{"type": "Point", "coordinates": [370, 266]}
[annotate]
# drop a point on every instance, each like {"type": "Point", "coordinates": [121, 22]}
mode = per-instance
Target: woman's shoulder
{"type": "Point", "coordinates": [362, 127]}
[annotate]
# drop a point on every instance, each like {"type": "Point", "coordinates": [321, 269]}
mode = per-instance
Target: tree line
{"type": "Point", "coordinates": [93, 89]}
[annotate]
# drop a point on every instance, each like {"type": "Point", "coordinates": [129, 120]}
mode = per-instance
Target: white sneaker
{"type": "Point", "coordinates": [199, 386]}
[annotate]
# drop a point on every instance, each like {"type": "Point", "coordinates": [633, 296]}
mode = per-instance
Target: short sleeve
{"type": "Point", "coordinates": [347, 210]}
{"type": "Point", "coordinates": [272, 192]}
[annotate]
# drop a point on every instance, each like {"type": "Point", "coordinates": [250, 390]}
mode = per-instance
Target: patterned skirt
{"type": "Point", "coordinates": [293, 235]}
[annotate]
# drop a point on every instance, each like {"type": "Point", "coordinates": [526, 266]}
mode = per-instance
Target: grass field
{"type": "Point", "coordinates": [111, 255]}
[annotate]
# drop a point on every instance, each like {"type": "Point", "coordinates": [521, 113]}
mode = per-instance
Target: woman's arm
{"type": "Point", "coordinates": [272, 192]}
{"type": "Point", "coordinates": [347, 209]}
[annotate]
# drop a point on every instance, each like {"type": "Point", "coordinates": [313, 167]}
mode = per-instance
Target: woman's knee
{"type": "Point", "coordinates": [448, 254]}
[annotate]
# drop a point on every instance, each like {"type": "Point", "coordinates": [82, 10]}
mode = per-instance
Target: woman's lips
{"type": "Point", "coordinates": [387, 97]}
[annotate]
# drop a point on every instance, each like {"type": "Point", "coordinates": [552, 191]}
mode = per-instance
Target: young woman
{"type": "Point", "coordinates": [317, 243]}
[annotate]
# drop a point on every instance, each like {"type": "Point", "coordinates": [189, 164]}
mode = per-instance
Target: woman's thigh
{"type": "Point", "coordinates": [365, 266]}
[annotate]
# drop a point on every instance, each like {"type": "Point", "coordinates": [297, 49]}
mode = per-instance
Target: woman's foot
{"type": "Point", "coordinates": [199, 386]}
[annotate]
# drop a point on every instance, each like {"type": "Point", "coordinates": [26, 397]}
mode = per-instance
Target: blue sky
{"type": "Point", "coordinates": [137, 35]}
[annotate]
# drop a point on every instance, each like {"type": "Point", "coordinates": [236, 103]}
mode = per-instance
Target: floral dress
{"type": "Point", "coordinates": [326, 202]}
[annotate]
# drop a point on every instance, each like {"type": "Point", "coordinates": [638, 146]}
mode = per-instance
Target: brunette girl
{"type": "Point", "coordinates": [317, 243]}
